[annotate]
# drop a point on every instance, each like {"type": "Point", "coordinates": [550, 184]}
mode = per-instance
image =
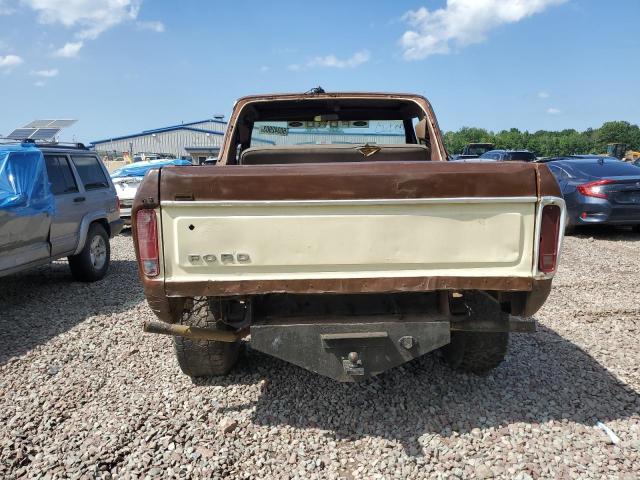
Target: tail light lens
{"type": "Point", "coordinates": [593, 189]}
{"type": "Point", "coordinates": [549, 238]}
{"type": "Point", "coordinates": [147, 235]}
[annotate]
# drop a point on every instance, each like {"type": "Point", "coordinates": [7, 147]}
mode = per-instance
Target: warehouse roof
{"type": "Point", "coordinates": [182, 126]}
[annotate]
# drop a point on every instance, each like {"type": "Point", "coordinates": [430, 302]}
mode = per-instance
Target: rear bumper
{"type": "Point", "coordinates": [348, 350]}
{"type": "Point", "coordinates": [602, 212]}
{"type": "Point", "coordinates": [125, 213]}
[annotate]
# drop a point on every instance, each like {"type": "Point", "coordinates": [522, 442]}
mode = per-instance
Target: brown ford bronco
{"type": "Point", "coordinates": [336, 234]}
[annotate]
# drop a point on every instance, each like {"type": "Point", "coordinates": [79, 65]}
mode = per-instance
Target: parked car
{"type": "Point", "coordinates": [343, 258]}
{"type": "Point", "coordinates": [56, 201]}
{"type": "Point", "coordinates": [127, 180]}
{"type": "Point", "coordinates": [508, 156]}
{"type": "Point", "coordinates": [598, 190]}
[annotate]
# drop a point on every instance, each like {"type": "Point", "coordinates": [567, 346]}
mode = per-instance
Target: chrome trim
{"type": "Point", "coordinates": [538, 275]}
{"type": "Point", "coordinates": [354, 202]}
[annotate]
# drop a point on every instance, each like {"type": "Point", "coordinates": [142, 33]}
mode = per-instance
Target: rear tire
{"type": "Point", "coordinates": [92, 263]}
{"type": "Point", "coordinates": [204, 358]}
{"type": "Point", "coordinates": [636, 228]}
{"type": "Point", "coordinates": [479, 352]}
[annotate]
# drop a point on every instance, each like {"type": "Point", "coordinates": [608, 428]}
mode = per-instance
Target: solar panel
{"type": "Point", "coordinates": [51, 123]}
{"type": "Point", "coordinates": [22, 133]}
{"type": "Point", "coordinates": [34, 133]}
{"type": "Point", "coordinates": [38, 124]}
{"type": "Point", "coordinates": [62, 123]}
{"type": "Point", "coordinates": [45, 134]}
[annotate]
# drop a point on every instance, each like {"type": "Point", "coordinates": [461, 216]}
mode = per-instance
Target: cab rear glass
{"type": "Point", "coordinates": [383, 132]}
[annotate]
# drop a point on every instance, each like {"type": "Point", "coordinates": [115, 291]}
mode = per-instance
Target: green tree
{"type": "Point", "coordinates": [549, 143]}
{"type": "Point", "coordinates": [618, 132]}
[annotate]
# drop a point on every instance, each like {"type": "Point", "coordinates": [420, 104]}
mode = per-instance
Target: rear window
{"type": "Point", "coordinates": [521, 156]}
{"type": "Point", "coordinates": [90, 172]}
{"type": "Point", "coordinates": [607, 168]}
{"type": "Point", "coordinates": [477, 150]}
{"type": "Point", "coordinates": [384, 132]}
{"type": "Point", "coordinates": [60, 174]}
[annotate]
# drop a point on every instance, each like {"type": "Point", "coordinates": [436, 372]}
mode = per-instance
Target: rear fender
{"type": "Point", "coordinates": [85, 223]}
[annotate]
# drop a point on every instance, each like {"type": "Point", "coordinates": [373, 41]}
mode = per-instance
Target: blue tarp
{"type": "Point", "coordinates": [24, 184]}
{"type": "Point", "coordinates": [139, 169]}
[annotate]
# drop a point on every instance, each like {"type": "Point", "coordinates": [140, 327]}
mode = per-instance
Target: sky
{"type": "Point", "coordinates": [122, 66]}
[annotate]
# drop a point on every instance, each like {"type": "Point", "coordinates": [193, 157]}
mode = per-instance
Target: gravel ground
{"type": "Point", "coordinates": [84, 394]}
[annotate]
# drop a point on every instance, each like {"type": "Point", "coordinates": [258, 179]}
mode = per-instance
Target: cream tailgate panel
{"type": "Point", "coordinates": [342, 240]}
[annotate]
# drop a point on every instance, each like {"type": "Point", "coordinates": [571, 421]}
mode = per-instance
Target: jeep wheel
{"type": "Point", "coordinates": [92, 263]}
{"type": "Point", "coordinates": [204, 358]}
{"type": "Point", "coordinates": [479, 352]}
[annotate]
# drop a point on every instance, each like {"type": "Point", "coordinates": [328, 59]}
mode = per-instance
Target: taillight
{"type": "Point", "coordinates": [147, 234]}
{"type": "Point", "coordinates": [593, 189]}
{"type": "Point", "coordinates": [549, 238]}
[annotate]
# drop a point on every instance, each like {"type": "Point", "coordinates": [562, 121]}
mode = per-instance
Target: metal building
{"type": "Point", "coordinates": [195, 140]}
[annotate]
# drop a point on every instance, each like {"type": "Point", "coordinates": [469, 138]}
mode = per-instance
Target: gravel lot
{"type": "Point", "coordinates": [85, 394]}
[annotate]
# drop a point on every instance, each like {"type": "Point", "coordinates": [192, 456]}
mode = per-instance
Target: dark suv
{"type": "Point", "coordinates": [60, 203]}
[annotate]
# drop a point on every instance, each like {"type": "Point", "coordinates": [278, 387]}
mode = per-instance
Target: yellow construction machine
{"type": "Point", "coordinates": [621, 151]}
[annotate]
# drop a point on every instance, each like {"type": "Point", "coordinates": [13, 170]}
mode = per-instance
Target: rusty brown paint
{"type": "Point", "coordinates": [349, 285]}
{"type": "Point", "coordinates": [366, 180]}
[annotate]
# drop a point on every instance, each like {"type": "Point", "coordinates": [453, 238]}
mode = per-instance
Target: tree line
{"type": "Point", "coordinates": [549, 143]}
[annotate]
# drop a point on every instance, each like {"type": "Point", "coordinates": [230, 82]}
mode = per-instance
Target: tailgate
{"type": "Point", "coordinates": [341, 228]}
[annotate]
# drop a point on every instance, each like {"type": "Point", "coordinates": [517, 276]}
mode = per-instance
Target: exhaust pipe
{"type": "Point", "coordinates": [196, 333]}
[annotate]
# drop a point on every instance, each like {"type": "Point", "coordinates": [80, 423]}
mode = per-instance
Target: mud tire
{"type": "Point", "coordinates": [204, 358]}
{"type": "Point", "coordinates": [479, 352]}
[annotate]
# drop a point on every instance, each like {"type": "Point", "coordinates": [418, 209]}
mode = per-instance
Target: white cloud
{"type": "Point", "coordinates": [70, 49]}
{"type": "Point", "coordinates": [461, 23]}
{"type": "Point", "coordinates": [89, 18]}
{"type": "Point", "coordinates": [92, 16]}
{"type": "Point", "coordinates": [553, 111]}
{"type": "Point", "coordinates": [46, 73]}
{"type": "Point", "coordinates": [154, 26]}
{"type": "Point", "coordinates": [332, 61]}
{"type": "Point", "coordinates": [543, 95]}
{"type": "Point", "coordinates": [40, 83]}
{"type": "Point", "coordinates": [8, 62]}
